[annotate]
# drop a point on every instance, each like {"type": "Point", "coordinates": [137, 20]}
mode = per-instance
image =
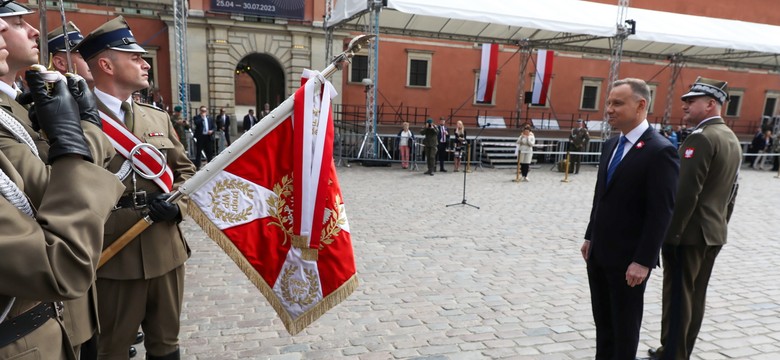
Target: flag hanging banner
{"type": "Point", "coordinates": [278, 212]}
{"type": "Point", "coordinates": [487, 73]}
{"type": "Point", "coordinates": [544, 64]}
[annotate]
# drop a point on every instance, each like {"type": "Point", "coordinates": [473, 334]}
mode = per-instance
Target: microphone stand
{"type": "Point", "coordinates": [468, 152]}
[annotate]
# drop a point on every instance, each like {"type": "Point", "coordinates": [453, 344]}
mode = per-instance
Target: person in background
{"type": "Point", "coordinates": [578, 142]}
{"type": "Point", "coordinates": [430, 142]}
{"type": "Point", "coordinates": [444, 141]}
{"type": "Point", "coordinates": [249, 120]}
{"type": "Point", "coordinates": [405, 144]}
{"type": "Point", "coordinates": [223, 123]}
{"type": "Point", "coordinates": [525, 150]}
{"type": "Point", "coordinates": [181, 126]}
{"type": "Point", "coordinates": [762, 144]}
{"type": "Point", "coordinates": [459, 143]}
{"type": "Point", "coordinates": [204, 135]}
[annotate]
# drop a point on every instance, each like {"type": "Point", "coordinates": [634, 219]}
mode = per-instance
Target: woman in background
{"type": "Point", "coordinates": [460, 143]}
{"type": "Point", "coordinates": [525, 147]}
{"type": "Point", "coordinates": [405, 142]}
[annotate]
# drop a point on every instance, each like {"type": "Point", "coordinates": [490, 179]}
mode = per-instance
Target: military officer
{"type": "Point", "coordinates": [430, 141]}
{"type": "Point", "coordinates": [55, 242]}
{"type": "Point", "coordinates": [709, 162]}
{"type": "Point", "coordinates": [59, 58]}
{"type": "Point", "coordinates": [578, 141]}
{"type": "Point", "coordinates": [150, 270]}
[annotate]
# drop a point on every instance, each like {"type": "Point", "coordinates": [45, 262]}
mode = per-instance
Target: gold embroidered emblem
{"type": "Point", "coordinates": [279, 209]}
{"type": "Point", "coordinates": [226, 200]}
{"type": "Point", "coordinates": [299, 291]}
{"type": "Point", "coordinates": [332, 222]}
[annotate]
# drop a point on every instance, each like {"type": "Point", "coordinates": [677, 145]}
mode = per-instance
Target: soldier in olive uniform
{"type": "Point", "coordinates": [56, 238]}
{"type": "Point", "coordinates": [143, 284]}
{"type": "Point", "coordinates": [431, 142]}
{"type": "Point", "coordinates": [709, 162]}
{"type": "Point", "coordinates": [181, 125]}
{"type": "Point", "coordinates": [578, 142]}
{"type": "Point", "coordinates": [21, 41]}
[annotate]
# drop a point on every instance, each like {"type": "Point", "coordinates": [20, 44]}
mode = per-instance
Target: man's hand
{"type": "Point", "coordinates": [161, 210]}
{"type": "Point", "coordinates": [585, 249]}
{"type": "Point", "coordinates": [636, 274]}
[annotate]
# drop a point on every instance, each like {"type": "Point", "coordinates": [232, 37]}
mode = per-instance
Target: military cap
{"type": "Point", "coordinates": [177, 108]}
{"type": "Point", "coordinates": [114, 35]}
{"type": "Point", "coordinates": [57, 39]}
{"type": "Point", "coordinates": [11, 8]}
{"type": "Point", "coordinates": [715, 89]}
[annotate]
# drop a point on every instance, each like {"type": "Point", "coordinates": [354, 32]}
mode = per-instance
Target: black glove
{"type": "Point", "coordinates": [24, 98]}
{"type": "Point", "coordinates": [57, 114]}
{"type": "Point", "coordinates": [161, 210]}
{"type": "Point", "coordinates": [85, 99]}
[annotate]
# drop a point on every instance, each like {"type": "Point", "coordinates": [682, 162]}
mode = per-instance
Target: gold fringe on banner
{"type": "Point", "coordinates": [293, 326]}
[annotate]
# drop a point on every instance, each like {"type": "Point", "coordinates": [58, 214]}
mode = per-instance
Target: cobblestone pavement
{"type": "Point", "coordinates": [504, 281]}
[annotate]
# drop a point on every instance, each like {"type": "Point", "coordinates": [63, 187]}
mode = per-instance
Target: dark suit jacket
{"type": "Point", "coordinates": [197, 123]}
{"type": "Point", "coordinates": [224, 124]}
{"type": "Point", "coordinates": [248, 122]}
{"type": "Point", "coordinates": [631, 214]}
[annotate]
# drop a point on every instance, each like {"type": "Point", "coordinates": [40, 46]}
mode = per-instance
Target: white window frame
{"type": "Point", "coordinates": [735, 92]}
{"type": "Point", "coordinates": [549, 92]}
{"type": "Point", "coordinates": [419, 55]}
{"type": "Point", "coordinates": [653, 95]}
{"type": "Point", "coordinates": [592, 82]}
{"type": "Point", "coordinates": [368, 71]}
{"type": "Point", "coordinates": [773, 94]}
{"type": "Point", "coordinates": [495, 91]}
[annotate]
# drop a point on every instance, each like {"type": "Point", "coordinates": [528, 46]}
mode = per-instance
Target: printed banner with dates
{"type": "Point", "coordinates": [291, 9]}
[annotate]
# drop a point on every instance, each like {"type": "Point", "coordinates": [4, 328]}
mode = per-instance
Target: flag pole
{"type": "Point", "coordinates": [236, 149]}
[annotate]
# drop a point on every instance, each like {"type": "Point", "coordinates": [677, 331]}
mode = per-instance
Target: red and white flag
{"type": "Point", "coordinates": [544, 64]}
{"type": "Point", "coordinates": [278, 212]}
{"type": "Point", "coordinates": [487, 73]}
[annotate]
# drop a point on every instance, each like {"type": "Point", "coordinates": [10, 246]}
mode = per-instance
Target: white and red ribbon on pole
{"type": "Point", "coordinates": [487, 73]}
{"type": "Point", "coordinates": [148, 162]}
{"type": "Point", "coordinates": [544, 65]}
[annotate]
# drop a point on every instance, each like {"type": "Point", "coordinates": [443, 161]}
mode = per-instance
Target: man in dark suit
{"type": "Point", "coordinates": [204, 134]}
{"type": "Point", "coordinates": [632, 207]}
{"type": "Point", "coordinates": [709, 163]}
{"type": "Point", "coordinates": [223, 123]}
{"type": "Point", "coordinates": [249, 120]}
{"type": "Point", "coordinates": [444, 141]}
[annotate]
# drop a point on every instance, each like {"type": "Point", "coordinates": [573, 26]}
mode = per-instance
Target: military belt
{"type": "Point", "coordinates": [17, 327]}
{"type": "Point", "coordinates": [135, 200]}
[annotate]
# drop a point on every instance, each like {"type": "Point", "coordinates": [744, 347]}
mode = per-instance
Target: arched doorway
{"type": "Point", "coordinates": [259, 80]}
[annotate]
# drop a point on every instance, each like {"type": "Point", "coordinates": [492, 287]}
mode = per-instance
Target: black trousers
{"type": "Point", "coordinates": [524, 169]}
{"type": "Point", "coordinates": [617, 311]}
{"type": "Point", "coordinates": [441, 151]}
{"type": "Point", "coordinates": [205, 144]}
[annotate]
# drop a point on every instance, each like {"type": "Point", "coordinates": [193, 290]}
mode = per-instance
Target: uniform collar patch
{"type": "Point", "coordinates": [688, 153]}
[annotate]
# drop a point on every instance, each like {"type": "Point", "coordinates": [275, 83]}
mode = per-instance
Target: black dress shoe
{"type": "Point", "coordinates": [653, 352]}
{"type": "Point", "coordinates": [139, 338]}
{"type": "Point", "coordinates": [442, 170]}
{"type": "Point", "coordinates": [133, 352]}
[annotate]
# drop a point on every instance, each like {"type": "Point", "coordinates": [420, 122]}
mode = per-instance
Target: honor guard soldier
{"type": "Point", "coordinates": [52, 246]}
{"type": "Point", "coordinates": [21, 40]}
{"type": "Point", "coordinates": [143, 284]}
{"type": "Point", "coordinates": [578, 142]}
{"type": "Point", "coordinates": [81, 318]}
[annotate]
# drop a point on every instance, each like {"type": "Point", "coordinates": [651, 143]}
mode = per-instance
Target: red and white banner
{"type": "Point", "coordinates": [544, 64]}
{"type": "Point", "coordinates": [148, 162]}
{"type": "Point", "coordinates": [278, 212]}
{"type": "Point", "coordinates": [487, 73]}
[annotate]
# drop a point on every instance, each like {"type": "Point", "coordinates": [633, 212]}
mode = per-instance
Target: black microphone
{"type": "Point", "coordinates": [486, 125]}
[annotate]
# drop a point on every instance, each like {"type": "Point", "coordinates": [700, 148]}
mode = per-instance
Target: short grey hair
{"type": "Point", "coordinates": [638, 87]}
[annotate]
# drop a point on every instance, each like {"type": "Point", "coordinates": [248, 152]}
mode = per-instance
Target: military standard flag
{"type": "Point", "coordinates": [277, 210]}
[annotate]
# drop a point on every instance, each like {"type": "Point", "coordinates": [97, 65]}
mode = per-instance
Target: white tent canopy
{"type": "Point", "coordinates": [574, 25]}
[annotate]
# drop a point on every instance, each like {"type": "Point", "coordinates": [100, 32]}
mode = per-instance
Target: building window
{"type": "Point", "coordinates": [419, 69]}
{"type": "Point", "coordinates": [591, 89]}
{"type": "Point", "coordinates": [734, 104]}
{"type": "Point", "coordinates": [770, 103]}
{"type": "Point", "coordinates": [651, 103]}
{"type": "Point", "coordinates": [359, 69]}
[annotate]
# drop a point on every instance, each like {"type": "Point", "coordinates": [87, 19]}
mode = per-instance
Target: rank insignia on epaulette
{"type": "Point", "coordinates": [153, 134]}
{"type": "Point", "coordinates": [696, 131]}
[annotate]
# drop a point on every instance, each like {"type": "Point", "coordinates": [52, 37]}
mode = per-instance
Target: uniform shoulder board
{"type": "Point", "coordinates": [697, 131]}
{"type": "Point", "coordinates": [150, 106]}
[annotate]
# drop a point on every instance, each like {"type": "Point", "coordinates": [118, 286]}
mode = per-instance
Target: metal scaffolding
{"type": "Point", "coordinates": [621, 34]}
{"type": "Point", "coordinates": [180, 39]}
